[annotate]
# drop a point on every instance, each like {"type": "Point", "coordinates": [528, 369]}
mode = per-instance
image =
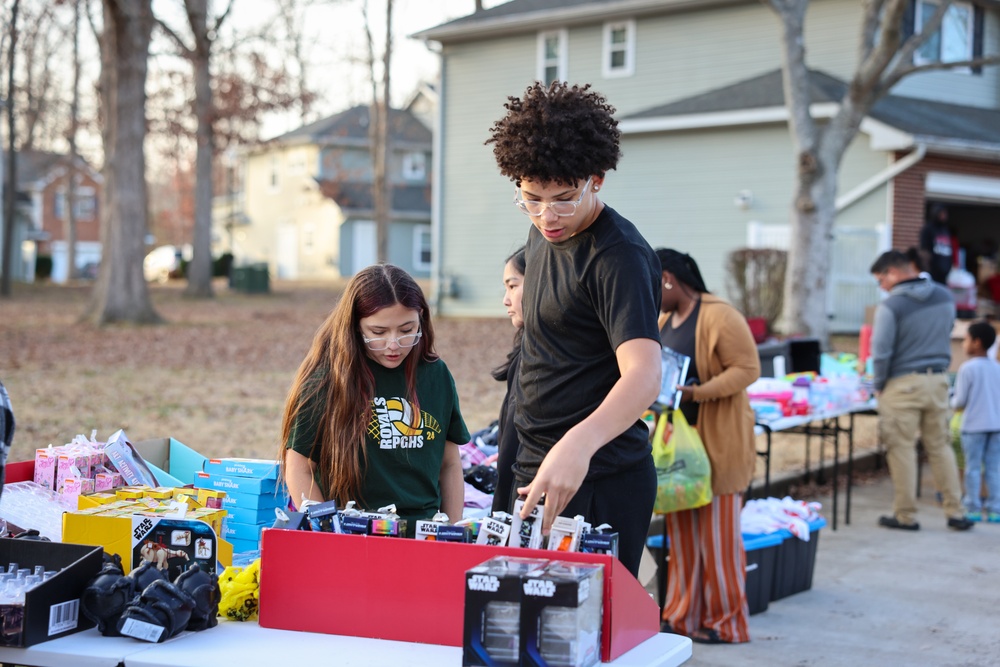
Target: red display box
{"type": "Point", "coordinates": [413, 590]}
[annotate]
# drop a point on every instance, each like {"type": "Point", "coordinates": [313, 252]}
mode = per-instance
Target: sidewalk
{"type": "Point", "coordinates": [884, 597]}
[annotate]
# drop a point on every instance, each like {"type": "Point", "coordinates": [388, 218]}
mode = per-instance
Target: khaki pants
{"type": "Point", "coordinates": [908, 404]}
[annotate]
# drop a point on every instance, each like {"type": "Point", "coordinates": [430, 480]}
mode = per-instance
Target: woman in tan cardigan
{"type": "Point", "coordinates": [706, 596]}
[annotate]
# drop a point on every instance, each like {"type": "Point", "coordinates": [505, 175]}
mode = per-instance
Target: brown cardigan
{"type": "Point", "coordinates": [728, 362]}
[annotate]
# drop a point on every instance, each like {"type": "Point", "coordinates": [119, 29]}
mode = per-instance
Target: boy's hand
{"type": "Point", "coordinates": [559, 478]}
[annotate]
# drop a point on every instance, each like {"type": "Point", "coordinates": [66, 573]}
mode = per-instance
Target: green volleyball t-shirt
{"type": "Point", "coordinates": [405, 444]}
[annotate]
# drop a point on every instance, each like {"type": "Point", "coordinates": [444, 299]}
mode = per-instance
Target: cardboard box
{"type": "Point", "coordinates": [252, 501]}
{"type": "Point", "coordinates": [45, 467]}
{"type": "Point", "coordinates": [232, 484]}
{"type": "Point", "coordinates": [761, 554]}
{"type": "Point", "coordinates": [243, 546]}
{"type": "Point", "coordinates": [561, 615]}
{"type": "Point", "coordinates": [492, 624]}
{"type": "Point", "coordinates": [795, 561]}
{"type": "Point", "coordinates": [259, 468]}
{"type": "Point", "coordinates": [526, 533]}
{"type": "Point", "coordinates": [233, 530]}
{"type": "Point", "coordinates": [51, 609]}
{"type": "Point", "coordinates": [432, 604]}
{"type": "Point", "coordinates": [114, 534]}
{"type": "Point", "coordinates": [249, 515]}
{"type": "Point", "coordinates": [172, 462]}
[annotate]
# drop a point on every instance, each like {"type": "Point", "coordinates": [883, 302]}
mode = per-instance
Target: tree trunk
{"type": "Point", "coordinates": [813, 213]}
{"type": "Point", "coordinates": [378, 135]}
{"type": "Point", "coordinates": [200, 270]}
{"type": "Point", "coordinates": [120, 294]}
{"type": "Point", "coordinates": [74, 113]}
{"type": "Point", "coordinates": [10, 204]}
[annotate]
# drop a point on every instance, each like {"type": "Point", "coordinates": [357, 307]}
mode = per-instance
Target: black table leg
{"type": "Point", "coordinates": [850, 468]}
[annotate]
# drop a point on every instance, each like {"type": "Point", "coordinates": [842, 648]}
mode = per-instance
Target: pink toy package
{"type": "Point", "coordinates": [45, 467]}
{"type": "Point", "coordinates": [72, 462]}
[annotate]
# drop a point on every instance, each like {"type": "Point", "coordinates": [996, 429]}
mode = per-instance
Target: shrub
{"type": "Point", "coordinates": [755, 279]}
{"type": "Point", "coordinates": [43, 267]}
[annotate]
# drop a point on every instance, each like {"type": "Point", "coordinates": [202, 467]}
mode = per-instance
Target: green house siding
{"type": "Point", "coordinates": [678, 187]}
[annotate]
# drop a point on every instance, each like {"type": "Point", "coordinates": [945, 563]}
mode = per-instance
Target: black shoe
{"type": "Point", "coordinates": [893, 522]}
{"type": "Point", "coordinates": [960, 523]}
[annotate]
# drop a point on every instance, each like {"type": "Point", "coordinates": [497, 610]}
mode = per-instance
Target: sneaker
{"type": "Point", "coordinates": [959, 523]}
{"type": "Point", "coordinates": [974, 516]}
{"type": "Point", "coordinates": [993, 517]}
{"type": "Point", "coordinates": [893, 522]}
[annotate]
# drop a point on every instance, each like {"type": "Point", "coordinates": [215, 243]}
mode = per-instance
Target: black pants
{"type": "Point", "coordinates": [624, 500]}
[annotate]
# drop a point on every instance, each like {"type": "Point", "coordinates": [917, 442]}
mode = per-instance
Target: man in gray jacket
{"type": "Point", "coordinates": [911, 351]}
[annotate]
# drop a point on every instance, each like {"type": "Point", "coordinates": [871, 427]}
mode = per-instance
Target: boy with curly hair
{"type": "Point", "coordinates": [590, 360]}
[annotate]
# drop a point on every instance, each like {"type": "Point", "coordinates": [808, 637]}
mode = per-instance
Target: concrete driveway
{"type": "Point", "coordinates": [884, 597]}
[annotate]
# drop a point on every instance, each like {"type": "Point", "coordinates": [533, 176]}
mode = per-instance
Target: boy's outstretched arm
{"type": "Point", "coordinates": [562, 471]}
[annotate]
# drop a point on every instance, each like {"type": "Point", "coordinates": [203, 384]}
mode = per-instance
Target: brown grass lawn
{"type": "Point", "coordinates": [216, 374]}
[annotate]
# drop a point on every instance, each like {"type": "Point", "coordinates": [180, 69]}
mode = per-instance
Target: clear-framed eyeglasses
{"type": "Point", "coordinates": [560, 208]}
{"type": "Point", "coordinates": [406, 340]}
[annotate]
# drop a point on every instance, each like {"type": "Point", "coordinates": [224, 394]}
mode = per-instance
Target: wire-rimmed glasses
{"type": "Point", "coordinates": [406, 340]}
{"type": "Point", "coordinates": [561, 208]}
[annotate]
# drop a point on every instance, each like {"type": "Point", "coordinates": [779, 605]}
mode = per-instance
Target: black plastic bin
{"type": "Point", "coordinates": [795, 561]}
{"type": "Point", "coordinates": [762, 553]}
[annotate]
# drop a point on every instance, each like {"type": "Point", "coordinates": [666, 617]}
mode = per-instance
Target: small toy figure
{"type": "Point", "coordinates": [158, 554]}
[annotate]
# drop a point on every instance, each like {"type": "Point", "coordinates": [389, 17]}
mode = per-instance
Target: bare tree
{"type": "Point", "coordinates": [120, 293]}
{"type": "Point", "coordinates": [11, 190]}
{"type": "Point", "coordinates": [885, 57]}
{"type": "Point", "coordinates": [378, 131]}
{"type": "Point", "coordinates": [74, 126]}
{"type": "Point", "coordinates": [199, 273]}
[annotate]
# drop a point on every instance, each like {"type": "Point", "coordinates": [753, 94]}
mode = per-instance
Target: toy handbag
{"type": "Point", "coordinates": [683, 471]}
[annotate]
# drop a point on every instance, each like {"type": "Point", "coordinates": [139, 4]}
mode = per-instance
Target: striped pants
{"type": "Point", "coordinates": [707, 569]}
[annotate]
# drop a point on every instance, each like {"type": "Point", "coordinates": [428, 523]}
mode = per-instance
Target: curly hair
{"type": "Point", "coordinates": [556, 134]}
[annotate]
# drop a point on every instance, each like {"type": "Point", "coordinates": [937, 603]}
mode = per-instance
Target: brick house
{"type": "Point", "coordinates": [43, 180]}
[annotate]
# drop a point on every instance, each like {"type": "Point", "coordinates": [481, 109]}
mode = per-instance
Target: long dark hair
{"type": "Point", "coordinates": [335, 367]}
{"type": "Point", "coordinates": [683, 267]}
{"type": "Point", "coordinates": [500, 372]}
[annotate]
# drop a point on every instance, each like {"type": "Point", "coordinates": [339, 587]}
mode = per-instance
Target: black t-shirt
{"type": "Point", "coordinates": [682, 340]}
{"type": "Point", "coordinates": [582, 298]}
{"type": "Point", "coordinates": [935, 238]}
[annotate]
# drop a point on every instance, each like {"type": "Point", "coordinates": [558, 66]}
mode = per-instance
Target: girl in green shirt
{"type": "Point", "coordinates": [373, 414]}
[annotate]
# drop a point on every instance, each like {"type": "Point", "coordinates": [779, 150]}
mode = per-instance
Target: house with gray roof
{"type": "Point", "coordinates": [708, 165]}
{"type": "Point", "coordinates": [306, 206]}
{"type": "Point", "coordinates": [42, 215]}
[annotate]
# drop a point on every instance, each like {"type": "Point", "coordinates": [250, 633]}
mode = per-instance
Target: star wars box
{"type": "Point", "coordinates": [493, 532]}
{"type": "Point", "coordinates": [436, 531]}
{"type": "Point", "coordinates": [172, 544]}
{"type": "Point", "coordinates": [526, 533]}
{"type": "Point", "coordinates": [601, 540]}
{"type": "Point", "coordinates": [565, 533]}
{"type": "Point", "coordinates": [492, 622]}
{"type": "Point", "coordinates": [561, 615]}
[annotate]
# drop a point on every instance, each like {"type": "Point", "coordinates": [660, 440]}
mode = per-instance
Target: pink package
{"type": "Point", "coordinates": [106, 481]}
{"type": "Point", "coordinates": [71, 462]}
{"type": "Point", "coordinates": [73, 487]}
{"type": "Point", "coordinates": [45, 467]}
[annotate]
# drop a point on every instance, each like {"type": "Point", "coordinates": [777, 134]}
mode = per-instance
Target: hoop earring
{"type": "Point", "coordinates": [667, 286]}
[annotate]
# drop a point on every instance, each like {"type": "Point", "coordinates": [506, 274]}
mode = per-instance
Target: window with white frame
{"type": "Point", "coordinates": [552, 49]}
{"type": "Point", "coordinates": [85, 205]}
{"type": "Point", "coordinates": [954, 40]}
{"type": "Point", "coordinates": [415, 166]}
{"type": "Point", "coordinates": [618, 57]}
{"type": "Point", "coordinates": [422, 247]}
